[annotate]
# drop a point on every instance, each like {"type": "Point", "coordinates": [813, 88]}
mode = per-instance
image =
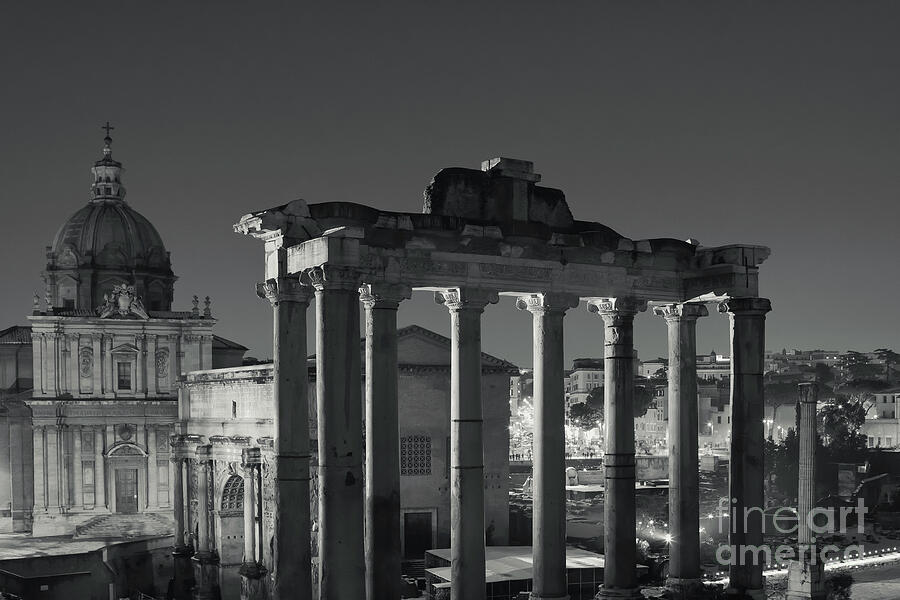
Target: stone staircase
{"type": "Point", "coordinates": [125, 526]}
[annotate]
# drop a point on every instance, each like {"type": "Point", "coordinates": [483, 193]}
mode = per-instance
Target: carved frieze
{"type": "Point", "coordinates": [510, 271]}
{"type": "Point", "coordinates": [417, 264]}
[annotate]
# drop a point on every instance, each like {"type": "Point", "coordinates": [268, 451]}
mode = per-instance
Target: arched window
{"type": "Point", "coordinates": [233, 494]}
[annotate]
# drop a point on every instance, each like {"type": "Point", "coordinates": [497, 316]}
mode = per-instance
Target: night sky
{"type": "Point", "coordinates": [761, 123]}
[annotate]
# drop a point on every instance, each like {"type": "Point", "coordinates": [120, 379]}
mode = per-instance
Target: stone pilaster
{"type": "Point", "coordinates": [97, 364]}
{"type": "Point", "coordinates": [549, 490]}
{"type": "Point", "coordinates": [77, 470]}
{"type": "Point", "coordinates": [619, 515]}
{"type": "Point", "coordinates": [684, 477]}
{"type": "Point", "coordinates": [748, 323]}
{"type": "Point", "coordinates": [338, 387]}
{"type": "Point", "coordinates": [40, 470]}
{"type": "Point", "coordinates": [292, 556]}
{"type": "Point", "coordinates": [100, 501]}
{"type": "Point", "coordinates": [383, 575]}
{"type": "Point", "coordinates": [806, 574]}
{"type": "Point", "coordinates": [54, 434]}
{"type": "Point", "coordinates": [466, 444]}
{"type": "Point", "coordinates": [152, 470]}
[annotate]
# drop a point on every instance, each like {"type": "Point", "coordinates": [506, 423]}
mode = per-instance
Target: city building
{"type": "Point", "coordinates": [231, 409]}
{"type": "Point", "coordinates": [882, 424]}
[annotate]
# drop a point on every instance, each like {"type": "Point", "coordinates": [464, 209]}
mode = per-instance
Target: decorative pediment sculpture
{"type": "Point", "coordinates": [123, 301]}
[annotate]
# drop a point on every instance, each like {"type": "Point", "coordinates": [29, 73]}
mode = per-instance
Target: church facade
{"type": "Point", "coordinates": [90, 439]}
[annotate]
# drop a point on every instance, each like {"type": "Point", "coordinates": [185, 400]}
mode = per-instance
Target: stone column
{"type": "Point", "coordinates": [152, 470]}
{"type": "Point", "coordinates": [182, 572]}
{"type": "Point", "coordinates": [467, 454]}
{"type": "Point", "coordinates": [684, 477]}
{"type": "Point", "coordinates": [252, 571]}
{"type": "Point", "coordinates": [549, 489]}
{"type": "Point", "coordinates": [77, 470]}
{"type": "Point", "coordinates": [292, 556]}
{"type": "Point", "coordinates": [206, 562]}
{"type": "Point", "coordinates": [806, 575]}
{"type": "Point", "coordinates": [338, 387]}
{"type": "Point", "coordinates": [748, 321]}
{"type": "Point", "coordinates": [619, 521]}
{"type": "Point", "coordinates": [383, 576]}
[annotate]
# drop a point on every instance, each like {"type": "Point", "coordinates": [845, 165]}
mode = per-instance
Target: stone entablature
{"type": "Point", "coordinates": [93, 357]}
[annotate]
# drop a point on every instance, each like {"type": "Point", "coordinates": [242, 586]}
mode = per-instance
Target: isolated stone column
{"type": "Point", "coordinates": [338, 386]}
{"type": "Point", "coordinates": [748, 326]}
{"type": "Point", "coordinates": [549, 483]}
{"type": "Point", "coordinates": [684, 476]}
{"type": "Point", "coordinates": [383, 575]}
{"type": "Point", "coordinates": [619, 515]}
{"type": "Point", "coordinates": [206, 562]}
{"type": "Point", "coordinates": [806, 574]}
{"type": "Point", "coordinates": [467, 576]}
{"type": "Point", "coordinates": [291, 550]}
{"type": "Point", "coordinates": [252, 581]}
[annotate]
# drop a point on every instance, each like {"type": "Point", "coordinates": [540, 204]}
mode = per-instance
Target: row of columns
{"type": "Point", "coordinates": [359, 546]}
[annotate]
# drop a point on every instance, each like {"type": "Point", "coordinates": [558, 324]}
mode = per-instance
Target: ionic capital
{"type": "Point", "coordinates": [625, 306]}
{"type": "Point", "coordinates": [457, 299]}
{"type": "Point", "coordinates": [809, 392]}
{"type": "Point", "coordinates": [746, 306]}
{"type": "Point", "coordinates": [332, 278]}
{"type": "Point", "coordinates": [383, 295]}
{"type": "Point", "coordinates": [284, 289]}
{"type": "Point", "coordinates": [547, 302]}
{"type": "Point", "coordinates": [673, 313]}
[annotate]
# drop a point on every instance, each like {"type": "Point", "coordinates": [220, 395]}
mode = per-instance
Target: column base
{"type": "Point", "coordinates": [685, 588]}
{"type": "Point", "coordinates": [183, 573]}
{"type": "Point", "coordinates": [806, 581]}
{"type": "Point", "coordinates": [253, 570]}
{"type": "Point", "coordinates": [253, 582]}
{"type": "Point", "coordinates": [606, 593]}
{"type": "Point", "coordinates": [206, 576]}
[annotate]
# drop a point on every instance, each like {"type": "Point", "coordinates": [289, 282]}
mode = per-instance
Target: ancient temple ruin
{"type": "Point", "coordinates": [485, 233]}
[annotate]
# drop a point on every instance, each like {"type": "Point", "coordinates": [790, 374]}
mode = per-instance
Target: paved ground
{"type": "Point", "coordinates": [21, 545]}
{"type": "Point", "coordinates": [877, 584]}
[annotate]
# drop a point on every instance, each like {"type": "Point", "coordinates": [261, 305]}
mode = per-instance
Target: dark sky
{"type": "Point", "coordinates": [766, 123]}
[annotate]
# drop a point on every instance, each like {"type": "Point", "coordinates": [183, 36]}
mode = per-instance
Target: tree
{"type": "Point", "coordinates": [643, 397]}
{"type": "Point", "coordinates": [890, 358]}
{"type": "Point", "coordinates": [824, 374]}
{"type": "Point", "coordinates": [856, 365]}
{"type": "Point", "coordinates": [584, 416]}
{"type": "Point", "coordinates": [840, 422]}
{"type": "Point", "coordinates": [588, 414]}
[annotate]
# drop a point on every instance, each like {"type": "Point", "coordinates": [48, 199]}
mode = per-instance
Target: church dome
{"type": "Point", "coordinates": [107, 243]}
{"type": "Point", "coordinates": [109, 234]}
